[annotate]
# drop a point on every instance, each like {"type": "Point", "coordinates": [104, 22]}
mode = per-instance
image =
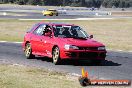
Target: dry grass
{"type": "Point", "coordinates": [29, 77]}
{"type": "Point", "coordinates": [18, 76]}
{"type": "Point", "coordinates": [115, 34]}
{"type": "Point", "coordinates": [122, 13]}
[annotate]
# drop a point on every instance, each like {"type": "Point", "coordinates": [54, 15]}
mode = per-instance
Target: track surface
{"type": "Point", "coordinates": [35, 12]}
{"type": "Point", "coordinates": [40, 16]}
{"type": "Point", "coordinates": [117, 65]}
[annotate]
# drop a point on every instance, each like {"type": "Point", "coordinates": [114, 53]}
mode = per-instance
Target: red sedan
{"type": "Point", "coordinates": [62, 41]}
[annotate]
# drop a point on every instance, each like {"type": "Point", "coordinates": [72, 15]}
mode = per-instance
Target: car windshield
{"type": "Point", "coordinates": [70, 32]}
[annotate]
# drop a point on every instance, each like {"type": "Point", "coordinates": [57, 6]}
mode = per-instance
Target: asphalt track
{"type": "Point", "coordinates": [40, 16]}
{"type": "Point", "coordinates": [34, 13]}
{"type": "Point", "coordinates": [118, 65]}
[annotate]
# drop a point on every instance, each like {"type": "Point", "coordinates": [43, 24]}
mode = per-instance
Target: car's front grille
{"type": "Point", "coordinates": [88, 48]}
{"type": "Point", "coordinates": [88, 55]}
{"type": "Point", "coordinates": [103, 55]}
{"type": "Point", "coordinates": [71, 54]}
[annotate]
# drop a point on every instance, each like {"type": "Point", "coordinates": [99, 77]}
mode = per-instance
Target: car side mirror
{"type": "Point", "coordinates": [91, 36]}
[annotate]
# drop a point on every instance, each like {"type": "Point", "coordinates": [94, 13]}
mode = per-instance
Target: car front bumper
{"type": "Point", "coordinates": [83, 55]}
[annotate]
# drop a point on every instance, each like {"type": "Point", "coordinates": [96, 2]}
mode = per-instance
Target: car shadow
{"type": "Point", "coordinates": [80, 63]}
{"type": "Point", "coordinates": [87, 63]}
{"type": "Point", "coordinates": [44, 59]}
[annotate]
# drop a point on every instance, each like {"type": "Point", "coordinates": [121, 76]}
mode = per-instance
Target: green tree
{"type": "Point", "coordinates": [87, 3]}
{"type": "Point", "coordinates": [34, 2]}
{"type": "Point", "coordinates": [54, 2]}
{"type": "Point", "coordinates": [5, 1]}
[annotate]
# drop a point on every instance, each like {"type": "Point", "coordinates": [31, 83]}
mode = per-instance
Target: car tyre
{"type": "Point", "coordinates": [57, 14]}
{"type": "Point", "coordinates": [28, 51]}
{"type": "Point", "coordinates": [51, 14]}
{"type": "Point", "coordinates": [56, 55]}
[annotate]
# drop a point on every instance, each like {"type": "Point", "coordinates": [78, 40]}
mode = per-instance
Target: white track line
{"type": "Point", "coordinates": [10, 42]}
{"type": "Point", "coordinates": [95, 18]}
{"type": "Point", "coordinates": [43, 19]}
{"type": "Point", "coordinates": [69, 19]}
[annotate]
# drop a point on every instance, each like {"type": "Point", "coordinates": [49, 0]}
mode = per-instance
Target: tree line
{"type": "Point", "coordinates": [77, 3]}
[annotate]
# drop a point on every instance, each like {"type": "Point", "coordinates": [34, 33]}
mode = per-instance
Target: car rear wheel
{"type": "Point", "coordinates": [56, 55]}
{"type": "Point", "coordinates": [51, 14]}
{"type": "Point", "coordinates": [28, 51]}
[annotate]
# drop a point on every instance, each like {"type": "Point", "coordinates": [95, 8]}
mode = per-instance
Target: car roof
{"type": "Point", "coordinates": [57, 23]}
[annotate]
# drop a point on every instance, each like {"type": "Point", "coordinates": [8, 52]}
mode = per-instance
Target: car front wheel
{"type": "Point", "coordinates": [57, 14]}
{"type": "Point", "coordinates": [28, 51]}
{"type": "Point", "coordinates": [56, 55]}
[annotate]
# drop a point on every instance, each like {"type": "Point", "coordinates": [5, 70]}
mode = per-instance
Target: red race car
{"type": "Point", "coordinates": [62, 41]}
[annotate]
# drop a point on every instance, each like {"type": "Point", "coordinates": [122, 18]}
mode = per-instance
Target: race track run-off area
{"type": "Point", "coordinates": [116, 66]}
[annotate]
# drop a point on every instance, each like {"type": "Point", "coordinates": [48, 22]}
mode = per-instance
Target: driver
{"type": "Point", "coordinates": [47, 30]}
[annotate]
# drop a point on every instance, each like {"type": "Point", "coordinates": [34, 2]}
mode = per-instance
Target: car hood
{"type": "Point", "coordinates": [81, 42]}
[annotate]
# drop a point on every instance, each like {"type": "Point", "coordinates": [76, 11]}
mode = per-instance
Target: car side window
{"type": "Point", "coordinates": [40, 30]}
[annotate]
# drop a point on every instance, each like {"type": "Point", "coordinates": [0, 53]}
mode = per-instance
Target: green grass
{"type": "Point", "coordinates": [115, 34]}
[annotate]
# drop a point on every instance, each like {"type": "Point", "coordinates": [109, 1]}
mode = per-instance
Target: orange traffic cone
{"type": "Point", "coordinates": [84, 74]}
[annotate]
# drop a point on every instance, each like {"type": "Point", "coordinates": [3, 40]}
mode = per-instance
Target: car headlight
{"type": "Point", "coordinates": [101, 48]}
{"type": "Point", "coordinates": [68, 47]}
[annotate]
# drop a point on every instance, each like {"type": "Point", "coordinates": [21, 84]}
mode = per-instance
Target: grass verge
{"type": "Point", "coordinates": [28, 77]}
{"type": "Point", "coordinates": [115, 34]}
{"type": "Point", "coordinates": [19, 76]}
{"type": "Point", "coordinates": [122, 13]}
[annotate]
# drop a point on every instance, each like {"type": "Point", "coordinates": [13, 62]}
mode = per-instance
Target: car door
{"type": "Point", "coordinates": [47, 43]}
{"type": "Point", "coordinates": [36, 39]}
